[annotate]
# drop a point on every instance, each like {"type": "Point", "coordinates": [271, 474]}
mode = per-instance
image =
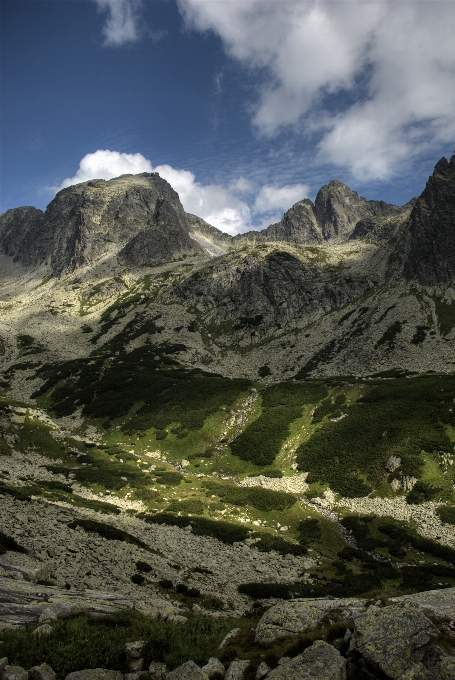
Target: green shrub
{"type": "Point", "coordinates": [169, 478]}
{"type": "Point", "coordinates": [421, 492]}
{"type": "Point", "coordinates": [110, 386]}
{"type": "Point", "coordinates": [81, 642]}
{"type": "Point", "coordinates": [264, 371]}
{"type": "Point", "coordinates": [143, 566]}
{"type": "Point", "coordinates": [223, 531]}
{"type": "Point", "coordinates": [160, 434]}
{"type": "Point", "coordinates": [190, 506]}
{"type": "Point", "coordinates": [309, 531]}
{"type": "Point", "coordinates": [262, 499]}
{"type": "Point", "coordinates": [446, 514]}
{"type": "Point", "coordinates": [138, 579]}
{"type": "Point", "coordinates": [261, 441]}
{"type": "Point", "coordinates": [402, 416]}
{"type": "Point", "coordinates": [280, 545]}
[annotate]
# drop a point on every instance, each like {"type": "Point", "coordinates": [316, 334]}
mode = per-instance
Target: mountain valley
{"type": "Point", "coordinates": [203, 426]}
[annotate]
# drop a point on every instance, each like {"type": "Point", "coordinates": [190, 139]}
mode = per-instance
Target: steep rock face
{"type": "Point", "coordinates": [88, 220]}
{"type": "Point", "coordinates": [431, 242]}
{"type": "Point", "coordinates": [21, 235]}
{"type": "Point", "coordinates": [211, 239]}
{"type": "Point", "coordinates": [298, 225]}
{"type": "Point", "coordinates": [164, 238]}
{"type": "Point", "coordinates": [270, 290]}
{"type": "Point", "coordinates": [338, 209]}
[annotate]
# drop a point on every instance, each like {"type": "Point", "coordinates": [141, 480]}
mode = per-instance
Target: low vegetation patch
{"type": "Point", "coordinates": [261, 499]}
{"type": "Point", "coordinates": [402, 417]}
{"type": "Point", "coordinates": [262, 440]}
{"type": "Point", "coordinates": [81, 642]}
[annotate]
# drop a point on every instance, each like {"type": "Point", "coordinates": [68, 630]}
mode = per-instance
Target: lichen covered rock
{"type": "Point", "coordinates": [393, 639]}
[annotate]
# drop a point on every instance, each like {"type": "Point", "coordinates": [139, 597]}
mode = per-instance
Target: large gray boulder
{"type": "Point", "coordinates": [236, 669]}
{"type": "Point", "coordinates": [439, 603]}
{"type": "Point", "coordinates": [296, 616]}
{"type": "Point", "coordinates": [187, 671]}
{"type": "Point", "coordinates": [393, 639]}
{"type": "Point", "coordinates": [42, 672]}
{"type": "Point", "coordinates": [214, 669]}
{"type": "Point", "coordinates": [14, 673]}
{"type": "Point", "coordinates": [95, 674]}
{"type": "Point", "coordinates": [321, 661]}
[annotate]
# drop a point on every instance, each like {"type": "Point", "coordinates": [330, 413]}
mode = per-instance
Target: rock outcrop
{"type": "Point", "coordinates": [299, 615]}
{"type": "Point", "coordinates": [139, 215]}
{"type": "Point", "coordinates": [431, 240]}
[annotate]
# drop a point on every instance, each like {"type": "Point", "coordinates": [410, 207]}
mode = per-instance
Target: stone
{"type": "Point", "coordinates": [214, 668]}
{"type": "Point", "coordinates": [187, 671]}
{"type": "Point", "coordinates": [321, 661]}
{"type": "Point", "coordinates": [392, 638]}
{"type": "Point", "coordinates": [261, 671]}
{"type": "Point", "coordinates": [134, 651]}
{"type": "Point", "coordinates": [232, 633]}
{"type": "Point", "coordinates": [236, 669]}
{"type": "Point", "coordinates": [439, 665]}
{"type": "Point", "coordinates": [95, 674]}
{"type": "Point", "coordinates": [42, 672]}
{"type": "Point", "coordinates": [440, 603]}
{"type": "Point", "coordinates": [296, 616]}
{"type": "Point", "coordinates": [135, 665]}
{"type": "Point", "coordinates": [132, 676]}
{"type": "Point", "coordinates": [14, 673]}
{"type": "Point", "coordinates": [3, 662]}
{"type": "Point", "coordinates": [42, 631]}
{"type": "Point", "coordinates": [157, 670]}
{"type": "Point", "coordinates": [393, 462]}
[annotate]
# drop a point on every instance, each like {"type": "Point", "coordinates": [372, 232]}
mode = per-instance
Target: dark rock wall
{"type": "Point", "coordinates": [431, 242]}
{"type": "Point", "coordinates": [22, 235]}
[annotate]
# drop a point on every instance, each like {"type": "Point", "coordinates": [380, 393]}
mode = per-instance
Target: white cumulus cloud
{"type": "Point", "coordinates": [225, 207]}
{"type": "Point", "coordinates": [105, 164]}
{"type": "Point", "coordinates": [375, 80]}
{"type": "Point", "coordinates": [271, 198]}
{"type": "Point", "coordinates": [122, 22]}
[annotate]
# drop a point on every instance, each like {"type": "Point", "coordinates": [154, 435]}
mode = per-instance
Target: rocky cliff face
{"type": "Point", "coordinates": [141, 215]}
{"type": "Point", "coordinates": [21, 235]}
{"type": "Point", "coordinates": [335, 213]}
{"type": "Point", "coordinates": [431, 237]}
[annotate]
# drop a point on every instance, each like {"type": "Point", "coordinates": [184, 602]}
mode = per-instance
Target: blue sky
{"type": "Point", "coordinates": [244, 106]}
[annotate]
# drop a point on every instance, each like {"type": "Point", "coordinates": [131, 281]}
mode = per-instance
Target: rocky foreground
{"type": "Point", "coordinates": [407, 639]}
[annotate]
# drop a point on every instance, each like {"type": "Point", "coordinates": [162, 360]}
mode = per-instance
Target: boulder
{"type": "Point", "coordinates": [42, 672]}
{"type": "Point", "coordinates": [296, 616]}
{"type": "Point", "coordinates": [187, 671]}
{"type": "Point", "coordinates": [439, 665]}
{"type": "Point", "coordinates": [440, 603]}
{"type": "Point", "coordinates": [392, 639]}
{"type": "Point", "coordinates": [157, 670]}
{"type": "Point", "coordinates": [321, 661]}
{"type": "Point", "coordinates": [214, 668]}
{"type": "Point", "coordinates": [232, 633]}
{"type": "Point", "coordinates": [95, 674]}
{"type": "Point", "coordinates": [45, 629]}
{"type": "Point", "coordinates": [14, 673]}
{"type": "Point", "coordinates": [261, 671]}
{"type": "Point", "coordinates": [236, 669]}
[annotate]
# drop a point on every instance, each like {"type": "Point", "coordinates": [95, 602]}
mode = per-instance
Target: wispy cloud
{"type": "Point", "coordinates": [123, 21]}
{"type": "Point", "coordinates": [234, 208]}
{"type": "Point", "coordinates": [372, 82]}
